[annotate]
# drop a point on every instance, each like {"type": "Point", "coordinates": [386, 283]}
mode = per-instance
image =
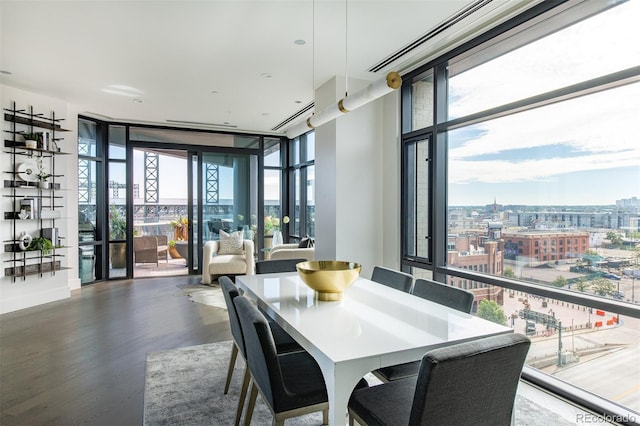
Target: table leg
{"type": "Point", "coordinates": [340, 380]}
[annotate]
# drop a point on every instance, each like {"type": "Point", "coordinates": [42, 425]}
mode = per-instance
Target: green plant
{"type": "Point", "coordinates": [117, 225]}
{"type": "Point", "coordinates": [172, 243]}
{"type": "Point", "coordinates": [30, 136]}
{"type": "Point", "coordinates": [42, 174]}
{"type": "Point", "coordinates": [43, 244]}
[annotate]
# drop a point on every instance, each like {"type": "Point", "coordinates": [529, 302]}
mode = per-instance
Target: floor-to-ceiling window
{"type": "Point", "coordinates": [90, 219]}
{"type": "Point", "coordinates": [301, 186]}
{"type": "Point", "coordinates": [117, 192]}
{"type": "Point", "coordinates": [532, 170]}
{"type": "Point", "coordinates": [184, 186]}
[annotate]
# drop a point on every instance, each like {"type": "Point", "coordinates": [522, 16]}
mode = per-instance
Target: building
{"type": "Point", "coordinates": [534, 247]}
{"type": "Point", "coordinates": [487, 259]}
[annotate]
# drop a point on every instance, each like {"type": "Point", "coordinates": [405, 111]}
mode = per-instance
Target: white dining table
{"type": "Point", "coordinates": [373, 326]}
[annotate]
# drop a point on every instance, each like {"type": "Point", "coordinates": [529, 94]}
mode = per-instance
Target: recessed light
{"type": "Point", "coordinates": [137, 100]}
{"type": "Point", "coordinates": [265, 75]}
{"type": "Point", "coordinates": [299, 42]}
{"type": "Point", "coordinates": [5, 72]}
{"type": "Point", "coordinates": [214, 92]}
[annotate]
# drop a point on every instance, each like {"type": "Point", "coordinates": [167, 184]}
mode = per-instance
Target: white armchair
{"type": "Point", "coordinates": [214, 264]}
{"type": "Point", "coordinates": [291, 251]}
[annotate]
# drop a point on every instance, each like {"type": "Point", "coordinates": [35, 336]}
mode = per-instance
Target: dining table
{"type": "Point", "coordinates": [372, 326]}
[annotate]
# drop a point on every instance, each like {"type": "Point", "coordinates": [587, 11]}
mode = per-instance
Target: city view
{"type": "Point", "coordinates": [593, 250]}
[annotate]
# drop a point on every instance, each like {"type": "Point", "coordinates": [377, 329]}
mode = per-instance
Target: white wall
{"type": "Point", "coordinates": [36, 290]}
{"type": "Point", "coordinates": [357, 181]}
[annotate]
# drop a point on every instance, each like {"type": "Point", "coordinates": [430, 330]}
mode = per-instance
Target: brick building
{"type": "Point", "coordinates": [464, 253]}
{"type": "Point", "coordinates": [544, 246]}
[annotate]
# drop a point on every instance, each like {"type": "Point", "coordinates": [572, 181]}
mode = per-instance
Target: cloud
{"type": "Point", "coordinates": [601, 132]}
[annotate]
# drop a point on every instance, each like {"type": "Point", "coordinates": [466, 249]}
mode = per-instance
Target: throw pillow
{"type": "Point", "coordinates": [306, 242]}
{"type": "Point", "coordinates": [231, 243]}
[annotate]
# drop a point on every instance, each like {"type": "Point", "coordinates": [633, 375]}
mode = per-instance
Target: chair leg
{"type": "Point", "coordinates": [243, 395]}
{"type": "Point", "coordinates": [252, 402]}
{"type": "Point", "coordinates": [325, 417]}
{"type": "Point", "coordinates": [232, 363]}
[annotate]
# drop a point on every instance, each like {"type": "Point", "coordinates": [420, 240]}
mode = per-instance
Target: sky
{"type": "Point", "coordinates": [584, 151]}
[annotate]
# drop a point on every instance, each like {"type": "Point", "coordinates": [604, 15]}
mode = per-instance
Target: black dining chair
{"type": "Point", "coordinates": [277, 265]}
{"type": "Point", "coordinates": [283, 341]}
{"type": "Point", "coordinates": [291, 384]}
{"type": "Point", "coordinates": [471, 383]}
{"type": "Point", "coordinates": [392, 278]}
{"type": "Point", "coordinates": [443, 294]}
{"type": "Point", "coordinates": [453, 297]}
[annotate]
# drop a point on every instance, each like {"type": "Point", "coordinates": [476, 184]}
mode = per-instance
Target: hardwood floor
{"type": "Point", "coordinates": [81, 361]}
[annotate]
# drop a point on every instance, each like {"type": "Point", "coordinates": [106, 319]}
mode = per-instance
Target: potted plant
{"type": "Point", "coordinates": [30, 140]}
{"type": "Point", "coordinates": [117, 231]}
{"type": "Point", "coordinates": [173, 251]}
{"type": "Point", "coordinates": [41, 243]}
{"type": "Point", "coordinates": [42, 175]}
{"type": "Point", "coordinates": [180, 228]}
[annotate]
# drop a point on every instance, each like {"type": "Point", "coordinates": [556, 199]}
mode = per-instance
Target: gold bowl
{"type": "Point", "coordinates": [329, 278]}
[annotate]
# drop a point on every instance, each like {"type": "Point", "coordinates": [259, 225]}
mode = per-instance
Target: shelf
{"type": "Point", "coordinates": [23, 184]}
{"type": "Point", "coordinates": [28, 151]}
{"type": "Point", "coordinates": [36, 268]}
{"type": "Point", "coordinates": [14, 216]}
{"type": "Point", "coordinates": [12, 247]}
{"type": "Point", "coordinates": [41, 203]}
{"type": "Point", "coordinates": [26, 119]}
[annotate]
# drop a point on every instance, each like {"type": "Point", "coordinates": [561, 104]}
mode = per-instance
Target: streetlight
{"type": "Point", "coordinates": [559, 326]}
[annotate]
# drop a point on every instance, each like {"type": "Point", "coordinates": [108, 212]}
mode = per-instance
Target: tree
{"type": "Point", "coordinates": [491, 311]}
{"type": "Point", "coordinates": [603, 286]}
{"type": "Point", "coordinates": [508, 272]}
{"type": "Point", "coordinates": [560, 281]}
{"type": "Point", "coordinates": [582, 285]}
{"type": "Point", "coordinates": [614, 238]}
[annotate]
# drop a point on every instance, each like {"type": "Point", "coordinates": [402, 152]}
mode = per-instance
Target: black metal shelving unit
{"type": "Point", "coordinates": [32, 262]}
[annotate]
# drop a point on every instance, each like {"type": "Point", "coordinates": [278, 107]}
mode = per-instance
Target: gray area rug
{"type": "Point", "coordinates": [185, 387]}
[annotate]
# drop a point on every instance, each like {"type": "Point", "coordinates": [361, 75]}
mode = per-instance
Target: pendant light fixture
{"type": "Point", "coordinates": [390, 82]}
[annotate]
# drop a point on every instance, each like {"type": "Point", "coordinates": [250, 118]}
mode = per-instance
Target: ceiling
{"type": "Point", "coordinates": [228, 65]}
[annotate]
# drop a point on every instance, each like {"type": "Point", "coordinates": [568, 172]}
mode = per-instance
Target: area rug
{"type": "Point", "coordinates": [206, 294]}
{"type": "Point", "coordinates": [185, 387]}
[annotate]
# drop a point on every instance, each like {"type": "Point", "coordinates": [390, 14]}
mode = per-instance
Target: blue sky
{"type": "Point", "coordinates": [584, 151]}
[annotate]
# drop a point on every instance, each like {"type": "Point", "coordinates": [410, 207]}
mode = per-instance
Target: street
{"type": "Point", "coordinates": [604, 360]}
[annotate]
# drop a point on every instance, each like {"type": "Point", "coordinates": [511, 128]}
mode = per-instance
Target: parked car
{"type": "Point", "coordinates": [618, 295]}
{"type": "Point", "coordinates": [612, 276]}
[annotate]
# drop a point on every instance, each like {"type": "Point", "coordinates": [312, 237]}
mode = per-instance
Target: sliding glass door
{"type": "Point", "coordinates": [161, 218]}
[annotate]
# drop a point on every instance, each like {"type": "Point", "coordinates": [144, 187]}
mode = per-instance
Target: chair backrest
{"type": "Point", "coordinates": [145, 242]}
{"type": "Point", "coordinates": [472, 383]}
{"type": "Point", "coordinates": [279, 265]}
{"type": "Point", "coordinates": [447, 295]}
{"type": "Point", "coordinates": [262, 357]}
{"type": "Point", "coordinates": [230, 292]}
{"type": "Point", "coordinates": [392, 278]}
